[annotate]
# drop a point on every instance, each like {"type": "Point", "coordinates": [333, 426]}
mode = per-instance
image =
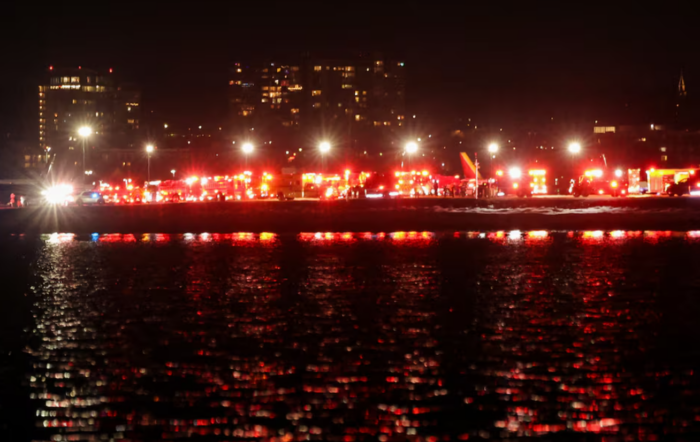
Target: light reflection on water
{"type": "Point", "coordinates": [365, 336]}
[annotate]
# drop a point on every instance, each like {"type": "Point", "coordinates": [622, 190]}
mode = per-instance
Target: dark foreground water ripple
{"type": "Point", "coordinates": [351, 336]}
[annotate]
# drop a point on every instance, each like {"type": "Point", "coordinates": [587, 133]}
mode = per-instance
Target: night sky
{"type": "Point", "coordinates": [499, 63]}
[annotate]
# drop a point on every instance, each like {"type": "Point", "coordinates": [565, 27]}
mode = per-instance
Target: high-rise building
{"type": "Point", "coordinates": [74, 98]}
{"type": "Point", "coordinates": [317, 96]}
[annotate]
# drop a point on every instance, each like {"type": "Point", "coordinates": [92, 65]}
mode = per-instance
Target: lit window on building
{"type": "Point", "coordinates": [347, 86]}
{"type": "Point", "coordinates": [295, 111]}
{"type": "Point", "coordinates": [315, 93]}
{"type": "Point", "coordinates": [664, 157]}
{"type": "Point", "coordinates": [318, 68]}
{"type": "Point", "coordinates": [295, 87]}
{"type": "Point", "coordinates": [358, 117]}
{"type": "Point", "coordinates": [663, 149]}
{"type": "Point", "coordinates": [130, 121]}
{"type": "Point", "coordinates": [75, 79]}
{"type": "Point", "coordinates": [316, 105]}
{"type": "Point", "coordinates": [604, 129]}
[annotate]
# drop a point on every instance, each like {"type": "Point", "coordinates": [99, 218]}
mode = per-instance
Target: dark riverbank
{"type": "Point", "coordinates": [363, 215]}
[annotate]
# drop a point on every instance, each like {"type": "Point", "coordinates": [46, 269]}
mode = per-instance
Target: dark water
{"type": "Point", "coordinates": [350, 337]}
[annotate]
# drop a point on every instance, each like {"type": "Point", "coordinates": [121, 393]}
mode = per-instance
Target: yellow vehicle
{"type": "Point", "coordinates": [298, 185]}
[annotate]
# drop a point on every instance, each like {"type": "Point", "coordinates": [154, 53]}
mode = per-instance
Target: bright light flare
{"type": "Point", "coordinates": [59, 194]}
{"type": "Point", "coordinates": [324, 147]}
{"type": "Point", "coordinates": [150, 148]}
{"type": "Point", "coordinates": [248, 148]}
{"type": "Point", "coordinates": [575, 147]}
{"type": "Point", "coordinates": [618, 173]}
{"type": "Point", "coordinates": [515, 173]}
{"type": "Point", "coordinates": [493, 148]}
{"type": "Point", "coordinates": [85, 131]}
{"type": "Point", "coordinates": [411, 147]}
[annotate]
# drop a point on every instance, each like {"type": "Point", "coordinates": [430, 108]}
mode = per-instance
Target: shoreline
{"type": "Point", "coordinates": [430, 214]}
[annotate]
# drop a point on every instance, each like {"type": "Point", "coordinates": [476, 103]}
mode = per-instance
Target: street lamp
{"type": "Point", "coordinates": [410, 148]}
{"type": "Point", "coordinates": [149, 151]}
{"type": "Point", "coordinates": [493, 148]}
{"type": "Point", "coordinates": [173, 172]}
{"type": "Point", "coordinates": [324, 148]}
{"type": "Point", "coordinates": [84, 133]}
{"type": "Point", "coordinates": [247, 150]}
{"type": "Point", "coordinates": [574, 148]}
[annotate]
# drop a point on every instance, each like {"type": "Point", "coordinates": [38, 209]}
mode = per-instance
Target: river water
{"type": "Point", "coordinates": [351, 336]}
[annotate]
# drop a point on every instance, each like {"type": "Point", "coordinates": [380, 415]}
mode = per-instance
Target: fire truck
{"type": "Point", "coordinates": [413, 183]}
{"type": "Point", "coordinates": [225, 188]}
{"type": "Point", "coordinates": [659, 180]}
{"type": "Point", "coordinates": [515, 182]}
{"type": "Point", "coordinates": [595, 182]}
{"type": "Point", "coordinates": [354, 183]}
{"type": "Point", "coordinates": [121, 194]}
{"type": "Point", "coordinates": [299, 185]}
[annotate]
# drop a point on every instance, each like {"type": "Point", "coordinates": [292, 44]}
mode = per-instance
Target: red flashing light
{"type": "Point", "coordinates": [613, 184]}
{"type": "Point", "coordinates": [515, 185]}
{"type": "Point", "coordinates": [80, 67]}
{"type": "Point", "coordinates": [111, 70]}
{"type": "Point", "coordinates": [51, 68]}
{"type": "Point", "coordinates": [600, 192]}
{"type": "Point", "coordinates": [499, 173]}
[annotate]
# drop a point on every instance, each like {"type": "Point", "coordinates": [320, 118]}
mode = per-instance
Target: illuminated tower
{"type": "Point", "coordinates": [681, 86]}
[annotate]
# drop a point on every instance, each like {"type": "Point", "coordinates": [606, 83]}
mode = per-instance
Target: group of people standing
{"type": "Point", "coordinates": [16, 201]}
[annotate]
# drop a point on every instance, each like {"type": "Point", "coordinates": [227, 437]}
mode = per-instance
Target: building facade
{"type": "Point", "coordinates": [358, 103]}
{"type": "Point", "coordinates": [75, 98]}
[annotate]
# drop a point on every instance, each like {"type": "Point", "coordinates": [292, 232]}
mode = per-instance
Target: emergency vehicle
{"type": "Point", "coordinates": [659, 180]}
{"type": "Point", "coordinates": [414, 183]}
{"type": "Point", "coordinates": [595, 182]}
{"type": "Point", "coordinates": [515, 182]}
